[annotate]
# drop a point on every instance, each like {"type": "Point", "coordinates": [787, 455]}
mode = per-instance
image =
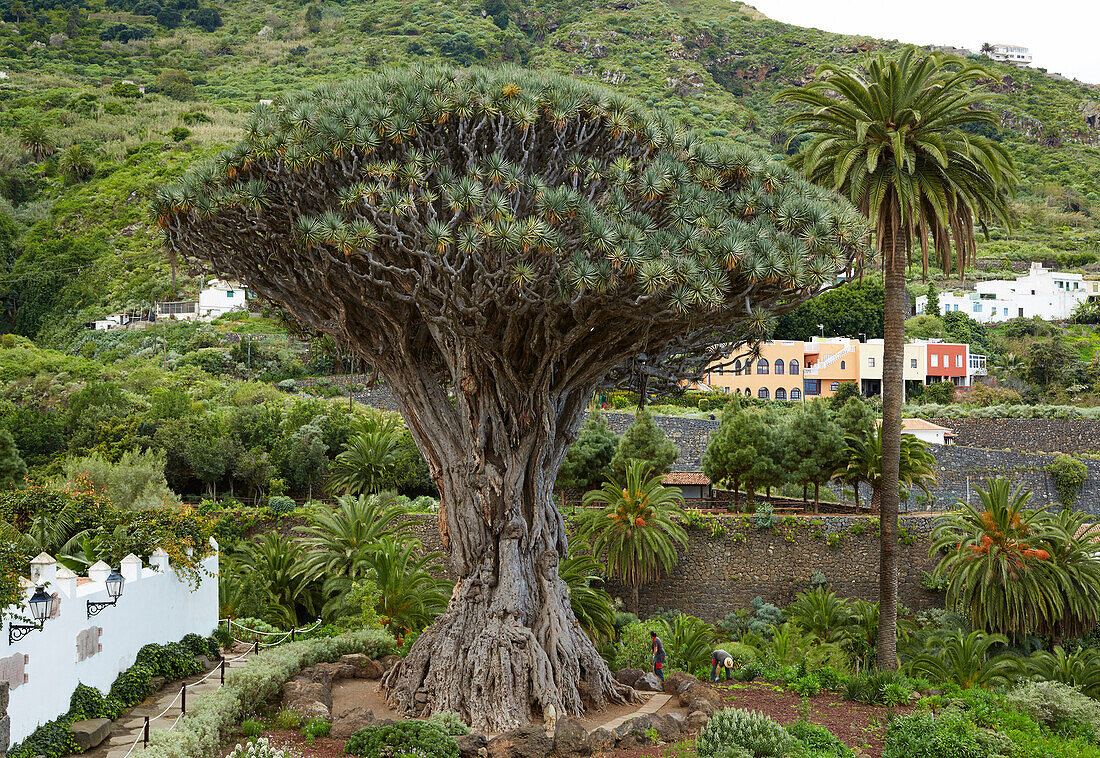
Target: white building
{"type": "Point", "coordinates": [219, 297]}
{"type": "Point", "coordinates": [216, 298]}
{"type": "Point", "coordinates": [1014, 54]}
{"type": "Point", "coordinates": [1050, 295]}
{"type": "Point", "coordinates": [925, 431]}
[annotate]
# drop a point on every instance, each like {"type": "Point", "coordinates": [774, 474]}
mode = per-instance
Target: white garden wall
{"type": "Point", "coordinates": [156, 605]}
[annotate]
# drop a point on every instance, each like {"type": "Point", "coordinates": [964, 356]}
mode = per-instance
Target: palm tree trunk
{"type": "Point", "coordinates": [894, 243]}
{"type": "Point", "coordinates": [634, 599]}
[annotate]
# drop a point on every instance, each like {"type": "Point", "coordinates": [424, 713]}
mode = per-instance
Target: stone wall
{"type": "Point", "coordinates": [962, 469]}
{"type": "Point", "coordinates": [715, 576]}
{"type": "Point", "coordinates": [1048, 435]}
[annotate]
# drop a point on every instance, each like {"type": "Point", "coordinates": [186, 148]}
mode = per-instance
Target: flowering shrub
{"type": "Point", "coordinates": [260, 747]}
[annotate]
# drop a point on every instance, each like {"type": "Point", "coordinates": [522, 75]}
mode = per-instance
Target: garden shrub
{"type": "Point", "coordinates": [878, 687]}
{"type": "Point", "coordinates": [260, 747]}
{"type": "Point", "coordinates": [213, 715]}
{"type": "Point", "coordinates": [172, 661]}
{"type": "Point", "coordinates": [52, 740]}
{"type": "Point", "coordinates": [920, 735]}
{"type": "Point", "coordinates": [314, 728]}
{"type": "Point", "coordinates": [89, 703]}
{"type": "Point", "coordinates": [816, 741]}
{"type": "Point", "coordinates": [133, 685]}
{"type": "Point", "coordinates": [759, 735]}
{"type": "Point", "coordinates": [252, 629]}
{"type": "Point", "coordinates": [450, 723]}
{"type": "Point", "coordinates": [281, 504]}
{"type": "Point", "coordinates": [401, 738]}
{"type": "Point", "coordinates": [251, 728]}
{"type": "Point", "coordinates": [1057, 705]}
{"type": "Point", "coordinates": [1069, 474]}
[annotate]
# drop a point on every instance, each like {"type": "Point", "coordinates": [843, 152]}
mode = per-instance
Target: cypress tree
{"type": "Point", "coordinates": [644, 441]}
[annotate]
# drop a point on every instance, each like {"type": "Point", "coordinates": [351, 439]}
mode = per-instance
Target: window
{"type": "Point", "coordinates": [762, 366]}
{"type": "Point", "coordinates": [748, 368]}
{"type": "Point", "coordinates": [957, 305]}
{"type": "Point", "coordinates": [781, 394]}
{"type": "Point", "coordinates": [737, 367]}
{"type": "Point", "coordinates": [811, 386]}
{"type": "Point", "coordinates": [762, 393]}
{"type": "Point", "coordinates": [1006, 311]}
{"type": "Point", "coordinates": [780, 366]}
{"type": "Point", "coordinates": [794, 368]}
{"type": "Point", "coordinates": [748, 392]}
{"type": "Point", "coordinates": [842, 364]}
{"type": "Point", "coordinates": [977, 307]}
{"type": "Point", "coordinates": [958, 361]}
{"type": "Point", "coordinates": [871, 362]}
{"type": "Point", "coordinates": [796, 394]}
{"type": "Point", "coordinates": [935, 359]}
{"type": "Point", "coordinates": [912, 363]}
{"type": "Point", "coordinates": [726, 390]}
{"type": "Point", "coordinates": [834, 386]}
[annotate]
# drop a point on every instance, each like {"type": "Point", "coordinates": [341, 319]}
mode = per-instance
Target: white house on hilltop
{"type": "Point", "coordinates": [1014, 54]}
{"type": "Point", "coordinates": [1050, 295]}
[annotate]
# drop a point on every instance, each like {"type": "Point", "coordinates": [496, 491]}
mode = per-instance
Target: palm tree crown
{"type": "Point", "coordinates": [894, 141]}
{"type": "Point", "coordinates": [634, 533]}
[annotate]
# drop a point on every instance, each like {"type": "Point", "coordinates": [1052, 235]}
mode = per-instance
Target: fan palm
{"type": "Point", "coordinates": [821, 613]}
{"type": "Point", "coordinates": [892, 139]}
{"type": "Point", "coordinates": [632, 530]}
{"type": "Point", "coordinates": [367, 463]}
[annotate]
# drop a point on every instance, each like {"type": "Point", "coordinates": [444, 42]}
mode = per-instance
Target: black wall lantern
{"type": "Point", "coordinates": [114, 590]}
{"type": "Point", "coordinates": [41, 605]}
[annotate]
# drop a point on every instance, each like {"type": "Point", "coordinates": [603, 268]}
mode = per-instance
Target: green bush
{"type": "Point", "coordinates": [878, 687]}
{"type": "Point", "coordinates": [51, 739]}
{"type": "Point", "coordinates": [179, 133]}
{"type": "Point", "coordinates": [133, 685]}
{"type": "Point", "coordinates": [450, 723]}
{"type": "Point", "coordinates": [314, 728]}
{"type": "Point", "coordinates": [816, 741]}
{"type": "Point", "coordinates": [400, 738]}
{"type": "Point", "coordinates": [251, 728]}
{"type": "Point", "coordinates": [172, 661]}
{"type": "Point", "coordinates": [1057, 704]}
{"type": "Point", "coordinates": [251, 629]}
{"type": "Point", "coordinates": [920, 735]}
{"type": "Point", "coordinates": [759, 735]}
{"type": "Point", "coordinates": [281, 504]}
{"type": "Point", "coordinates": [1069, 474]}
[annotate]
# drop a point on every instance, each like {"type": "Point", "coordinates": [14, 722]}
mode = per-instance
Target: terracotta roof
{"type": "Point", "coordinates": [1089, 530]}
{"type": "Point", "coordinates": [685, 477]}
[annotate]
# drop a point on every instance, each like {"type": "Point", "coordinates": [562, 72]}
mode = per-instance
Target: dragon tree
{"type": "Point", "coordinates": [497, 244]}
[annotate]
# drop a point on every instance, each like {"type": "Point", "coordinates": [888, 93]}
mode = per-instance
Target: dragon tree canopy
{"type": "Point", "coordinates": [516, 238]}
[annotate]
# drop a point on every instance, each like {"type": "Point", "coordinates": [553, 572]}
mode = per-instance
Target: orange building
{"type": "Point", "coordinates": [797, 370]}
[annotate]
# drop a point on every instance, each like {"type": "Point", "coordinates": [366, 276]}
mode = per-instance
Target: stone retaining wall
{"type": "Point", "coordinates": [715, 576]}
{"type": "Point", "coordinates": [1048, 435]}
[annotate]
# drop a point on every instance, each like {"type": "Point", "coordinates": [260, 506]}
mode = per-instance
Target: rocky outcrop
{"type": "Point", "coordinates": [310, 692]}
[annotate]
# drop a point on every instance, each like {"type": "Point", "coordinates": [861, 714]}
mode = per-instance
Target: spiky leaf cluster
{"type": "Point", "coordinates": [494, 203]}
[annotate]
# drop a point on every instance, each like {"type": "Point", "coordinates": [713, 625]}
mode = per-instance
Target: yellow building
{"type": "Point", "coordinates": [797, 370]}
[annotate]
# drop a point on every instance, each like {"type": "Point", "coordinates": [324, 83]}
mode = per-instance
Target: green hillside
{"type": "Point", "coordinates": [81, 151]}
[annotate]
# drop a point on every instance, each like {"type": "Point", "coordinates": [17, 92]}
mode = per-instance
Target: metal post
{"type": "Point", "coordinates": [223, 671]}
{"type": "Point", "coordinates": [256, 647]}
{"type": "Point", "coordinates": [145, 733]}
{"type": "Point", "coordinates": [183, 701]}
{"type": "Point", "coordinates": [292, 635]}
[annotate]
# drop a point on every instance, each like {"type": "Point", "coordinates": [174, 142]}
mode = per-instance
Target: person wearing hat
{"type": "Point", "coordinates": [721, 657]}
{"type": "Point", "coordinates": [658, 655]}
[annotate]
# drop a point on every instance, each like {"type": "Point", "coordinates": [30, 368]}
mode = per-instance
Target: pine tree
{"type": "Point", "coordinates": [588, 460]}
{"type": "Point", "coordinates": [12, 467]}
{"type": "Point", "coordinates": [857, 421]}
{"type": "Point", "coordinates": [814, 447]}
{"type": "Point", "coordinates": [932, 307]}
{"type": "Point", "coordinates": [744, 451]}
{"type": "Point", "coordinates": [644, 441]}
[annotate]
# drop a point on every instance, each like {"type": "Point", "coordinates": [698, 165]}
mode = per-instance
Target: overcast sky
{"type": "Point", "coordinates": [1064, 35]}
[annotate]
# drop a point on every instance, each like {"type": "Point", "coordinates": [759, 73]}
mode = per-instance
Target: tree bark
{"type": "Point", "coordinates": [895, 243]}
{"type": "Point", "coordinates": [508, 645]}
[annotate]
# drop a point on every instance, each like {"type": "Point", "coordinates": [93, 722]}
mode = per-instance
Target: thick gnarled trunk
{"type": "Point", "coordinates": [508, 645]}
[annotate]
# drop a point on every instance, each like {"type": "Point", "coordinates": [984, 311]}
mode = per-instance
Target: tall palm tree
{"type": "Point", "coordinates": [892, 138]}
{"type": "Point", "coordinates": [917, 466]}
{"type": "Point", "coordinates": [367, 463]}
{"type": "Point", "coordinates": [632, 530]}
